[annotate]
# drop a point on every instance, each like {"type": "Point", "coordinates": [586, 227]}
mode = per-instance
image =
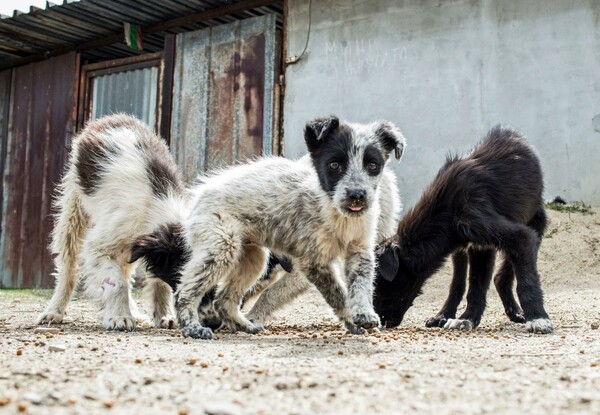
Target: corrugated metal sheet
{"type": "Point", "coordinates": [41, 121]}
{"type": "Point", "coordinates": [133, 92]}
{"type": "Point", "coordinates": [95, 27]}
{"type": "Point", "coordinates": [223, 94]}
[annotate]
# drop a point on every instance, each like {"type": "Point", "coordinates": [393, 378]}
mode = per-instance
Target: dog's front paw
{"type": "Point", "coordinates": [197, 331]}
{"type": "Point", "coordinates": [459, 324]}
{"type": "Point", "coordinates": [516, 316]}
{"type": "Point", "coordinates": [353, 328]}
{"type": "Point", "coordinates": [437, 321]}
{"type": "Point", "coordinates": [50, 318]}
{"type": "Point", "coordinates": [119, 323]}
{"type": "Point", "coordinates": [165, 322]}
{"type": "Point", "coordinates": [366, 320]}
{"type": "Point", "coordinates": [540, 325]}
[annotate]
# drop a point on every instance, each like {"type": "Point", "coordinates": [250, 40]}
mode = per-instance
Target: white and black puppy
{"type": "Point", "coordinates": [281, 283]}
{"type": "Point", "coordinates": [121, 181]}
{"type": "Point", "coordinates": [313, 213]}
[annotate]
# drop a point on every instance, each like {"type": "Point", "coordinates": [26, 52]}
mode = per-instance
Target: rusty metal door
{"type": "Point", "coordinates": [41, 122]}
{"type": "Point", "coordinates": [223, 94]}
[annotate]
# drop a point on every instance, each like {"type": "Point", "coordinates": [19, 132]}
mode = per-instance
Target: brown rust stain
{"type": "Point", "coordinates": [253, 86]}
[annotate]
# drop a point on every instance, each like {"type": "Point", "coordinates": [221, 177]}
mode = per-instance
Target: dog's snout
{"type": "Point", "coordinates": [357, 195]}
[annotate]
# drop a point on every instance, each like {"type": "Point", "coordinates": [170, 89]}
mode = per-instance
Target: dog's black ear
{"type": "Point", "coordinates": [286, 263]}
{"type": "Point", "coordinates": [391, 138]}
{"type": "Point", "coordinates": [388, 261]}
{"type": "Point", "coordinates": [142, 246]}
{"type": "Point", "coordinates": [316, 131]}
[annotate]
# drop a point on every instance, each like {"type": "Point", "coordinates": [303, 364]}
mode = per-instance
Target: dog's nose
{"type": "Point", "coordinates": [357, 195]}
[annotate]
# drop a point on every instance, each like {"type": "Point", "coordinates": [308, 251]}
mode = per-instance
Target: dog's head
{"type": "Point", "coordinates": [349, 159]}
{"type": "Point", "coordinates": [164, 252]}
{"type": "Point", "coordinates": [395, 287]}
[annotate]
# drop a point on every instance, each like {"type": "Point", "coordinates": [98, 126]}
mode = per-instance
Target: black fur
{"type": "Point", "coordinates": [329, 142]}
{"type": "Point", "coordinates": [165, 253]}
{"type": "Point", "coordinates": [489, 200]}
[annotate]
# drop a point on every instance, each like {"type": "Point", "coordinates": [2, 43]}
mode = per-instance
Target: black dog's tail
{"type": "Point", "coordinates": [164, 252]}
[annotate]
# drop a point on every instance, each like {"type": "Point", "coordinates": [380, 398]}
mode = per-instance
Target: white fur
{"type": "Point", "coordinates": [93, 232]}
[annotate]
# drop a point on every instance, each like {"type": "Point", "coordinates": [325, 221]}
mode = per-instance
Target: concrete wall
{"type": "Point", "coordinates": [446, 71]}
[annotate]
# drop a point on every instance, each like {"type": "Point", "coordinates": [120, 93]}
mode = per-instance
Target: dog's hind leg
{"type": "Point", "coordinates": [107, 276]}
{"type": "Point", "coordinates": [481, 268]}
{"type": "Point", "coordinates": [457, 290]}
{"type": "Point", "coordinates": [521, 243]}
{"type": "Point", "coordinates": [284, 291]}
{"type": "Point", "coordinates": [503, 280]}
{"type": "Point", "coordinates": [69, 228]}
{"type": "Point", "coordinates": [252, 264]}
{"type": "Point", "coordinates": [160, 299]}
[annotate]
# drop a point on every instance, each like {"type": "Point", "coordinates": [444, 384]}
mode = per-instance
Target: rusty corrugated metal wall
{"type": "Point", "coordinates": [41, 122]}
{"type": "Point", "coordinates": [223, 94]}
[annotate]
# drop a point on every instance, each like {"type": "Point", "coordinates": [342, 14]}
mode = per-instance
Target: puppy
{"type": "Point", "coordinates": [278, 287]}
{"type": "Point", "coordinates": [490, 200]}
{"type": "Point", "coordinates": [121, 181]}
{"type": "Point", "coordinates": [311, 213]}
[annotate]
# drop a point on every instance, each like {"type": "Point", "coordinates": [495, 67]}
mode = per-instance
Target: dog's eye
{"type": "Point", "coordinates": [372, 166]}
{"type": "Point", "coordinates": [335, 166]}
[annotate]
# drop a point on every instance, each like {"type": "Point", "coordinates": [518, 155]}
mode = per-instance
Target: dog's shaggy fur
{"type": "Point", "coordinates": [487, 201]}
{"type": "Point", "coordinates": [278, 287]}
{"type": "Point", "coordinates": [311, 213]}
{"type": "Point", "coordinates": [121, 181]}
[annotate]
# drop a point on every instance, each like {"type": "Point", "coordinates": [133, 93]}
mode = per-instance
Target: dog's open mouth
{"type": "Point", "coordinates": [356, 207]}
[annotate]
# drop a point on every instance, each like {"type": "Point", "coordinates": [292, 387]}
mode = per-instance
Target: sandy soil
{"type": "Point", "coordinates": [306, 364]}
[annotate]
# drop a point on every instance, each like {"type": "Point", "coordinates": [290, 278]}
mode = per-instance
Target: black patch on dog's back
{"type": "Point", "coordinates": [162, 171]}
{"type": "Point", "coordinates": [94, 154]}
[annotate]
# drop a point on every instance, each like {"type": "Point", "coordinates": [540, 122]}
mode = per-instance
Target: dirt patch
{"type": "Point", "coordinates": [306, 364]}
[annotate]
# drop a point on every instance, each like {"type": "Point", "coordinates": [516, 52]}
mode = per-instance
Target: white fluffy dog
{"type": "Point", "coordinates": [121, 181]}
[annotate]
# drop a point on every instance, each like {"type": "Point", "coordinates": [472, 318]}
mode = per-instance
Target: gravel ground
{"type": "Point", "coordinates": [306, 364]}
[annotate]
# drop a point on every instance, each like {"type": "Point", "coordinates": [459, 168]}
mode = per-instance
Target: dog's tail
{"type": "Point", "coordinates": [164, 252]}
{"type": "Point", "coordinates": [70, 224]}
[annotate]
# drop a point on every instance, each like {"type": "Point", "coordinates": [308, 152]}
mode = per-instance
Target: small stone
{"type": "Point", "coordinates": [108, 404]}
{"type": "Point", "coordinates": [594, 364]}
{"type": "Point", "coordinates": [22, 407]}
{"type": "Point", "coordinates": [5, 400]}
{"type": "Point", "coordinates": [192, 361]}
{"type": "Point", "coordinates": [260, 371]}
{"type": "Point", "coordinates": [340, 352]}
{"type": "Point", "coordinates": [594, 326]}
{"type": "Point", "coordinates": [19, 352]}
{"type": "Point", "coordinates": [204, 365]}
{"type": "Point", "coordinates": [138, 360]}
{"type": "Point", "coordinates": [222, 409]}
{"type": "Point", "coordinates": [382, 366]}
{"type": "Point", "coordinates": [57, 347]}
{"type": "Point", "coordinates": [46, 330]}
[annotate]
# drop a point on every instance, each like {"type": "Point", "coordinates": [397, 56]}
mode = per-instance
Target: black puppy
{"type": "Point", "coordinates": [165, 253]}
{"type": "Point", "coordinates": [488, 201]}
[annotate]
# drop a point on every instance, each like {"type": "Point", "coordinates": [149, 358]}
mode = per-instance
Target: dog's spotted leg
{"type": "Point", "coordinates": [323, 277]}
{"type": "Point", "coordinates": [360, 270]}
